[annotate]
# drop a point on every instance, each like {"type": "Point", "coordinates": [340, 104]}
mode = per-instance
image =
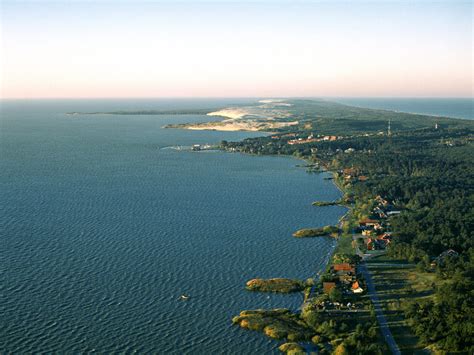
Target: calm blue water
{"type": "Point", "coordinates": [102, 228]}
{"type": "Point", "coordinates": [457, 107]}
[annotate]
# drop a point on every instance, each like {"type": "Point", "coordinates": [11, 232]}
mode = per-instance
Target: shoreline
{"type": "Point", "coordinates": [251, 318]}
{"type": "Point", "coordinates": [369, 208]}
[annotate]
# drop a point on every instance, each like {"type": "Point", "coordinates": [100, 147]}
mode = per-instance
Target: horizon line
{"type": "Point", "coordinates": [229, 97]}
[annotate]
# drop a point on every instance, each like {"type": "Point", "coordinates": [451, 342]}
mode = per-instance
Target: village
{"type": "Point", "coordinates": [370, 238]}
{"type": "Point", "coordinates": [310, 139]}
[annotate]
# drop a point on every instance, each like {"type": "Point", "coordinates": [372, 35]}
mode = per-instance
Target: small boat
{"type": "Point", "coordinates": [183, 297]}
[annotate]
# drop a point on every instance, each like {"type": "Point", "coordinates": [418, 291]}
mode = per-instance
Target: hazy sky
{"type": "Point", "coordinates": [242, 48]}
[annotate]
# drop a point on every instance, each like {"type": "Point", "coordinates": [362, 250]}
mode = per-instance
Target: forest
{"type": "Point", "coordinates": [425, 170]}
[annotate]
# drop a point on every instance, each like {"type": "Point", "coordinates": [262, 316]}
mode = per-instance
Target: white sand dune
{"type": "Point", "coordinates": [248, 118]}
{"type": "Point", "coordinates": [237, 125]}
{"type": "Point", "coordinates": [234, 113]}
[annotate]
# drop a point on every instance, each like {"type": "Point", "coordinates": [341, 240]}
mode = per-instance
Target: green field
{"type": "Point", "coordinates": [398, 282]}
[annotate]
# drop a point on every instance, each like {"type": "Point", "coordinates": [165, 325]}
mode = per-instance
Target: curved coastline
{"type": "Point", "coordinates": [283, 325]}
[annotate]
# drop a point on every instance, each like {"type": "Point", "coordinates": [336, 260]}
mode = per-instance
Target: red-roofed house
{"type": "Point", "coordinates": [344, 267]}
{"type": "Point", "coordinates": [356, 288]}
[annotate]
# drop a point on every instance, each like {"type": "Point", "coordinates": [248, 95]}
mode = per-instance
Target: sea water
{"type": "Point", "coordinates": [450, 107]}
{"type": "Point", "coordinates": [103, 225]}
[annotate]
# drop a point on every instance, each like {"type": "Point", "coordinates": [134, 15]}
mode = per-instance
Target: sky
{"type": "Point", "coordinates": [113, 49]}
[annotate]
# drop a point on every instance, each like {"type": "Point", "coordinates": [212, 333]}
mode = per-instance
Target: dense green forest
{"type": "Point", "coordinates": [425, 168]}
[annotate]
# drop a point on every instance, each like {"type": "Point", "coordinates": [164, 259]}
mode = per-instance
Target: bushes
{"type": "Point", "coordinates": [345, 258]}
{"type": "Point", "coordinates": [276, 324]}
{"type": "Point", "coordinates": [291, 348]}
{"type": "Point", "coordinates": [275, 285]}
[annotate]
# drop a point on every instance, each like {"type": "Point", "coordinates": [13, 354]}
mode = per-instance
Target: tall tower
{"type": "Point", "coordinates": [389, 128]}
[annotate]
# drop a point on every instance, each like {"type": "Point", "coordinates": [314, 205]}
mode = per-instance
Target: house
{"type": "Point", "coordinates": [381, 200]}
{"type": "Point", "coordinates": [370, 244]}
{"type": "Point", "coordinates": [376, 244]}
{"type": "Point", "coordinates": [450, 253]}
{"type": "Point", "coordinates": [346, 267]}
{"type": "Point", "coordinates": [367, 222]}
{"type": "Point", "coordinates": [379, 212]}
{"type": "Point", "coordinates": [366, 232]}
{"type": "Point", "coordinates": [350, 171]}
{"type": "Point", "coordinates": [363, 178]}
{"type": "Point", "coordinates": [377, 226]}
{"type": "Point", "coordinates": [328, 287]}
{"type": "Point", "coordinates": [386, 237]}
{"type": "Point", "coordinates": [393, 213]}
{"type": "Point", "coordinates": [355, 288]}
{"type": "Point", "coordinates": [301, 141]}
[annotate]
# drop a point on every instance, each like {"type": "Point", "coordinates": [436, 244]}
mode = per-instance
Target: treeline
{"type": "Point", "coordinates": [448, 320]}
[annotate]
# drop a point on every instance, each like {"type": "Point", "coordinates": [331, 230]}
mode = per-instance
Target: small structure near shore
{"type": "Point", "coordinates": [355, 288]}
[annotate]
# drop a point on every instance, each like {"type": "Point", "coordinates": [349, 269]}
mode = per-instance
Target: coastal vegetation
{"type": "Point", "coordinates": [327, 331]}
{"type": "Point", "coordinates": [317, 232]}
{"type": "Point", "coordinates": [276, 285]}
{"type": "Point", "coordinates": [292, 348]}
{"type": "Point", "coordinates": [276, 324]}
{"type": "Point", "coordinates": [327, 203]}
